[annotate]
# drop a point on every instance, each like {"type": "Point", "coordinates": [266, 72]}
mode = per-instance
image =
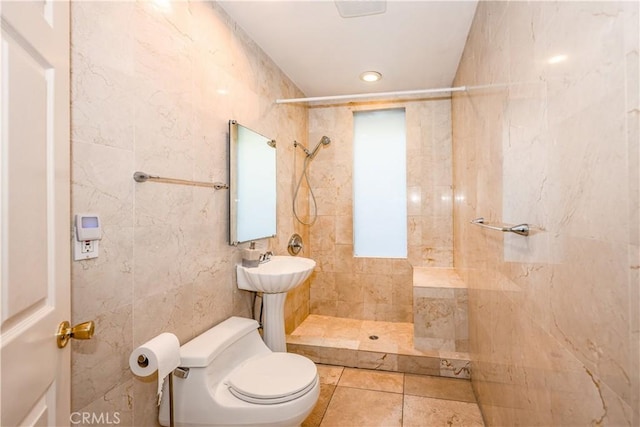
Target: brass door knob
{"type": "Point", "coordinates": [81, 331]}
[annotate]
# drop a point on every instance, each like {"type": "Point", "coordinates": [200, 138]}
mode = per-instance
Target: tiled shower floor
{"type": "Point", "coordinates": [348, 342]}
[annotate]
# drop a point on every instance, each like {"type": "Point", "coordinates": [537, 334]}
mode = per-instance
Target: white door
{"type": "Point", "coordinates": [34, 225]}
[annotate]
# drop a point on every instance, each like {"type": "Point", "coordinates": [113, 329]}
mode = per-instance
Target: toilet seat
{"type": "Point", "coordinates": [273, 378]}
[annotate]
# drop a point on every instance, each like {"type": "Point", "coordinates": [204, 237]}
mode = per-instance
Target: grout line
{"type": "Point", "coordinates": [404, 380]}
{"type": "Point", "coordinates": [441, 398]}
{"type": "Point", "coordinates": [340, 376]}
{"type": "Point", "coordinates": [370, 389]}
{"type": "Point", "coordinates": [333, 392]}
{"type": "Point", "coordinates": [328, 403]}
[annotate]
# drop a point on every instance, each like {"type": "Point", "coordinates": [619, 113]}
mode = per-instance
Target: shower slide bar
{"type": "Point", "coordinates": [144, 177]}
{"type": "Point", "coordinates": [521, 229]}
{"type": "Point", "coordinates": [372, 95]}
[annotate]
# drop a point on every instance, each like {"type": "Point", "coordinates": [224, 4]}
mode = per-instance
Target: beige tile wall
{"type": "Point", "coordinates": [368, 288]}
{"type": "Point", "coordinates": [439, 310]}
{"type": "Point", "coordinates": [553, 317]}
{"type": "Point", "coordinates": [148, 93]}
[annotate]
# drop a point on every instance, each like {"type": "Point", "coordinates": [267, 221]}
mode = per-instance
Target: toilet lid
{"type": "Point", "coordinates": [273, 378]}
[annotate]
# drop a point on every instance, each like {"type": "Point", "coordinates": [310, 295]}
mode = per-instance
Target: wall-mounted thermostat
{"type": "Point", "coordinates": [87, 233]}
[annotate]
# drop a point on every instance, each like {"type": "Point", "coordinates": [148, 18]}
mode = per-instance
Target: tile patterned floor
{"type": "Point", "coordinates": [352, 397]}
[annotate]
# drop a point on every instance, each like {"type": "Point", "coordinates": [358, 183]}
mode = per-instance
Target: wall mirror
{"type": "Point", "coordinates": [252, 185]}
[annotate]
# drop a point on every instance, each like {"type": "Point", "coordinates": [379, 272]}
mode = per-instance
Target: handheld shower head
{"type": "Point", "coordinates": [323, 141]}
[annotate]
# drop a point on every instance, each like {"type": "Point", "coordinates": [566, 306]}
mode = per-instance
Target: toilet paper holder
{"type": "Point", "coordinates": [143, 362]}
{"type": "Point", "coordinates": [179, 372]}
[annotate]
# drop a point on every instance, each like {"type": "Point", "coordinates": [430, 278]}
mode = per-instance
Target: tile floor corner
{"type": "Point", "coordinates": [360, 397]}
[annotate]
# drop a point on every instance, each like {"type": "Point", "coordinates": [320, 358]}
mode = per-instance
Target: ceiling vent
{"type": "Point", "coordinates": [357, 8]}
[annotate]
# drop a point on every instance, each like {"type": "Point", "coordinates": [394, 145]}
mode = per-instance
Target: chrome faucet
{"type": "Point", "coordinates": [266, 257]}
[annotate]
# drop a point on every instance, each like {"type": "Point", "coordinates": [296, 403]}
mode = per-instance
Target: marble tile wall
{"type": "Point", "coordinates": [153, 87]}
{"type": "Point", "coordinates": [548, 134]}
{"type": "Point", "coordinates": [377, 288]}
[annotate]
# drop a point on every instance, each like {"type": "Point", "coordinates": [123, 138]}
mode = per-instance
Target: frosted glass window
{"type": "Point", "coordinates": [380, 184]}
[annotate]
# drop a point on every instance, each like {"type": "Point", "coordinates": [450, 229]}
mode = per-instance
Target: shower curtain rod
{"type": "Point", "coordinates": [371, 95]}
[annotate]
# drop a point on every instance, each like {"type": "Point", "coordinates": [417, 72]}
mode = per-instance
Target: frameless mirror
{"type": "Point", "coordinates": [252, 185]}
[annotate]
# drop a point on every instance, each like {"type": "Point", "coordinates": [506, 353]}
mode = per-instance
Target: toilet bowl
{"type": "Point", "coordinates": [234, 379]}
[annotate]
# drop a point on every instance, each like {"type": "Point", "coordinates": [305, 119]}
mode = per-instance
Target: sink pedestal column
{"type": "Point", "coordinates": [274, 279]}
{"type": "Point", "coordinates": [273, 321]}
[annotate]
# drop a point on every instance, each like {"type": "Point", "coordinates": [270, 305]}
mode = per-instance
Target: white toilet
{"type": "Point", "coordinates": [235, 379]}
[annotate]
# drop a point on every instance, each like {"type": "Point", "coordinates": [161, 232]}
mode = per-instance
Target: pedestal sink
{"type": "Point", "coordinates": [274, 279]}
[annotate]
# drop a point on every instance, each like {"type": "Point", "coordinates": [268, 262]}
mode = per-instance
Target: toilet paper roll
{"type": "Point", "coordinates": [162, 354]}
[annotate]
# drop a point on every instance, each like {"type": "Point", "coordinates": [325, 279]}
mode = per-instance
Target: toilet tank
{"type": "Point", "coordinates": [203, 349]}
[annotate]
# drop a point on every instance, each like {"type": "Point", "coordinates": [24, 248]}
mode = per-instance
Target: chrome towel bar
{"type": "Point", "coordinates": [144, 177]}
{"type": "Point", "coordinates": [521, 229]}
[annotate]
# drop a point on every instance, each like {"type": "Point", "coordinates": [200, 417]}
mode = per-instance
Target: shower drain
{"type": "Point", "coordinates": [373, 337]}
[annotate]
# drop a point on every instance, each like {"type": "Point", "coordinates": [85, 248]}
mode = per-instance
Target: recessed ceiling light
{"type": "Point", "coordinates": [370, 76]}
{"type": "Point", "coordinates": [163, 6]}
{"type": "Point", "coordinates": [356, 8]}
{"type": "Point", "coordinates": [556, 59]}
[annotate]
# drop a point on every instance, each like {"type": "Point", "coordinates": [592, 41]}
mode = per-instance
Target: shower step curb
{"type": "Point", "coordinates": [443, 364]}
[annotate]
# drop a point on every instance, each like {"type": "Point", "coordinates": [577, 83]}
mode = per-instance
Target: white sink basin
{"type": "Point", "coordinates": [279, 275]}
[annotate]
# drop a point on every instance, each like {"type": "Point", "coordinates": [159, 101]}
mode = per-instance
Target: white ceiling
{"type": "Point", "coordinates": [414, 44]}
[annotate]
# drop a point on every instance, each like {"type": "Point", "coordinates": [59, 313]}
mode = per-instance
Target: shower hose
{"type": "Point", "coordinates": [313, 214]}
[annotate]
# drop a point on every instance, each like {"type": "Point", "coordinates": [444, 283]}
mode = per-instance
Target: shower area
{"type": "Point", "coordinates": [362, 310]}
